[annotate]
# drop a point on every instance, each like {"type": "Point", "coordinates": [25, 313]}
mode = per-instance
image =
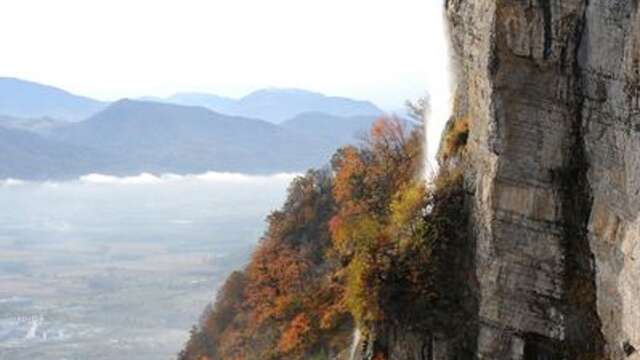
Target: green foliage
{"type": "Point", "coordinates": [198, 347]}
{"type": "Point", "coordinates": [456, 138]}
{"type": "Point", "coordinates": [378, 197]}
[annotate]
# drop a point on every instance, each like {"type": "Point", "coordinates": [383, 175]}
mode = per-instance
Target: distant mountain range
{"type": "Point", "coordinates": [172, 138]}
{"type": "Point", "coordinates": [25, 99]}
{"type": "Point", "coordinates": [27, 155]}
{"type": "Point", "coordinates": [330, 128]}
{"type": "Point", "coordinates": [44, 136]}
{"type": "Point", "coordinates": [38, 125]}
{"type": "Point", "coordinates": [276, 105]}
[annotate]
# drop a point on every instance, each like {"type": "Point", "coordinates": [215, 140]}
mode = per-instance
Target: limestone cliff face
{"type": "Point", "coordinates": [552, 92]}
{"type": "Point", "coordinates": [552, 88]}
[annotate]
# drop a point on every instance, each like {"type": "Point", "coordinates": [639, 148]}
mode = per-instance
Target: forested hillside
{"type": "Point", "coordinates": [356, 245]}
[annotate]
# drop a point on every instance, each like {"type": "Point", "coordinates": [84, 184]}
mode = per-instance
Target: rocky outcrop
{"type": "Point", "coordinates": [552, 91]}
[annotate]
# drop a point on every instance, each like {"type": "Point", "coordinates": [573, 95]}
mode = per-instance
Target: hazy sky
{"type": "Point", "coordinates": [385, 51]}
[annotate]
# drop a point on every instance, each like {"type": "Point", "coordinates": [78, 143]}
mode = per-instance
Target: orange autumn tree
{"type": "Point", "coordinates": [352, 244]}
{"type": "Point", "coordinates": [394, 235]}
{"type": "Point", "coordinates": [288, 275]}
{"type": "Point", "coordinates": [368, 181]}
{"type": "Point", "coordinates": [289, 304]}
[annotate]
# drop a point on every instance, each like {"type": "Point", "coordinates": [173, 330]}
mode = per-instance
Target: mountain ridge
{"type": "Point", "coordinates": [158, 137]}
{"type": "Point", "coordinates": [22, 98]}
{"type": "Point", "coordinates": [276, 104]}
{"type": "Point", "coordinates": [130, 136]}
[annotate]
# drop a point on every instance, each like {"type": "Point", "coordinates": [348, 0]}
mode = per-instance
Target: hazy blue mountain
{"type": "Point", "coordinates": [26, 99]}
{"type": "Point", "coordinates": [277, 105]}
{"type": "Point", "coordinates": [160, 137]}
{"type": "Point", "coordinates": [129, 137]}
{"type": "Point", "coordinates": [26, 155]}
{"type": "Point", "coordinates": [41, 125]}
{"type": "Point", "coordinates": [334, 130]}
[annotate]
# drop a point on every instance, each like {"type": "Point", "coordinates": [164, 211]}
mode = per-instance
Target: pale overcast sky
{"type": "Point", "coordinates": [381, 50]}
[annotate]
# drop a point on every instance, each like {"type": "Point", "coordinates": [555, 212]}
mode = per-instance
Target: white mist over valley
{"type": "Point", "coordinates": [102, 265]}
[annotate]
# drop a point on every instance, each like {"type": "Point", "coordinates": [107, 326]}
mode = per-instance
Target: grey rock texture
{"type": "Point", "coordinates": [552, 88]}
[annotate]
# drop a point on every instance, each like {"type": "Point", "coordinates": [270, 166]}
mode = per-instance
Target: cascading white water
{"type": "Point", "coordinates": [439, 87]}
{"type": "Point", "coordinates": [357, 336]}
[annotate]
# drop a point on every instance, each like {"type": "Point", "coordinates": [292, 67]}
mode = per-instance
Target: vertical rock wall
{"type": "Point", "coordinates": [552, 89]}
{"type": "Point", "coordinates": [609, 61]}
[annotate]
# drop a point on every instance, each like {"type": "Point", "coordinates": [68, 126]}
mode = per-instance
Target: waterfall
{"type": "Point", "coordinates": [440, 89]}
{"type": "Point", "coordinates": [357, 336]}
